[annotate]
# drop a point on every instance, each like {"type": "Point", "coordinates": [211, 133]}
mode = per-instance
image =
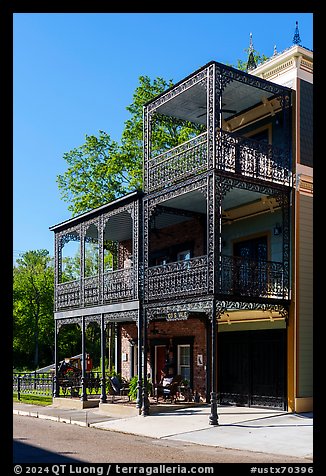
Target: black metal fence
{"type": "Point", "coordinates": [43, 384]}
{"type": "Point", "coordinates": [33, 384]}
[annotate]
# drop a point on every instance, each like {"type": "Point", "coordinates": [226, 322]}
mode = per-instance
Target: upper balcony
{"type": "Point", "coordinates": [228, 105]}
{"type": "Point", "coordinates": [236, 154]}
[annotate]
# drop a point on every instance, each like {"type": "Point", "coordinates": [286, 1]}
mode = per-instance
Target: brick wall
{"type": "Point", "coordinates": [170, 238]}
{"type": "Point", "coordinates": [186, 232]}
{"type": "Point", "coordinates": [193, 328]}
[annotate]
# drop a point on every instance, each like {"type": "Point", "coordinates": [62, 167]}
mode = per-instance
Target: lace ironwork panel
{"type": "Point", "coordinates": [244, 399]}
{"type": "Point", "coordinates": [240, 155]}
{"type": "Point", "coordinates": [119, 285]}
{"type": "Point", "coordinates": [182, 278]}
{"type": "Point", "coordinates": [252, 158]}
{"type": "Point", "coordinates": [178, 163]}
{"type": "Point", "coordinates": [68, 294]}
{"type": "Point", "coordinates": [245, 277]}
{"type": "Point", "coordinates": [91, 290]}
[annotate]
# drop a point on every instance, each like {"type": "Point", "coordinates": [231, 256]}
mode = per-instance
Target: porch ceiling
{"type": "Point", "coordinates": [237, 203]}
{"type": "Point", "coordinates": [191, 104]}
{"type": "Point", "coordinates": [250, 315]}
{"type": "Point", "coordinates": [118, 227]}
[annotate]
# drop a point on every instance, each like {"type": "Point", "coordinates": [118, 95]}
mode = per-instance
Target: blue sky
{"type": "Point", "coordinates": [75, 73]}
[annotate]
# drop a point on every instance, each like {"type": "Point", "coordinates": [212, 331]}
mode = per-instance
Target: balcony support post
{"type": "Point", "coordinates": [103, 397]}
{"type": "Point", "coordinates": [140, 360]}
{"type": "Point", "coordinates": [145, 401]}
{"type": "Point", "coordinates": [56, 387]}
{"type": "Point", "coordinates": [213, 417]}
{"type": "Point", "coordinates": [83, 378]}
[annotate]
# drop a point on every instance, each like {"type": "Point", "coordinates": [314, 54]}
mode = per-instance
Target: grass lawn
{"type": "Point", "coordinates": [33, 399]}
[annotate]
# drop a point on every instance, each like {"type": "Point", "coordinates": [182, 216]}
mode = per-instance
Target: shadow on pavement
{"type": "Point", "coordinates": [26, 453]}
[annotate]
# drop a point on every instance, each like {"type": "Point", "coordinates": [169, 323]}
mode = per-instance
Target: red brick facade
{"type": "Point", "coordinates": [160, 332]}
{"type": "Point", "coordinates": [191, 231]}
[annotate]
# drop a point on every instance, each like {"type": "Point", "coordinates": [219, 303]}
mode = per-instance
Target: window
{"type": "Point", "coordinates": [184, 361]}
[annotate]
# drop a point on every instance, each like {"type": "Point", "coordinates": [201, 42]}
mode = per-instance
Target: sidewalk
{"type": "Point", "coordinates": [242, 428]}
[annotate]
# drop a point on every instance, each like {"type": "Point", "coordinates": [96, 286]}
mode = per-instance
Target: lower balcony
{"type": "Point", "coordinates": [237, 277]}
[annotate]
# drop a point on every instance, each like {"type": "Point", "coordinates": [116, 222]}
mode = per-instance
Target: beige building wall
{"type": "Point", "coordinates": [294, 68]}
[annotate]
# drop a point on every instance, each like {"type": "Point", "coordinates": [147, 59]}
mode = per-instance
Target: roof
{"type": "Point", "coordinates": [119, 202]}
{"type": "Point", "coordinates": [241, 91]}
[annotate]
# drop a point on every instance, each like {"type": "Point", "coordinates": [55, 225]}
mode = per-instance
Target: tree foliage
{"type": "Point", "coordinates": [33, 284]}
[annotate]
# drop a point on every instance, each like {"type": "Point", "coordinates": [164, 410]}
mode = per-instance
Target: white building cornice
{"type": "Point", "coordinates": [283, 68]}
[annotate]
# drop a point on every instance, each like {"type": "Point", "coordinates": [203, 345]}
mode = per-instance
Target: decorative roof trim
{"type": "Point", "coordinates": [295, 57]}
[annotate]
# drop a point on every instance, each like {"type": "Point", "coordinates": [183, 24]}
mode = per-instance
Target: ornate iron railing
{"type": "Point", "coordinates": [33, 384]}
{"type": "Point", "coordinates": [249, 278]}
{"type": "Point", "coordinates": [252, 158]}
{"type": "Point", "coordinates": [234, 153]}
{"type": "Point", "coordinates": [246, 399]}
{"type": "Point", "coordinates": [181, 278]}
{"type": "Point", "coordinates": [238, 277]}
{"type": "Point", "coordinates": [119, 285]}
{"type": "Point", "coordinates": [91, 290]}
{"type": "Point", "coordinates": [68, 294]}
{"type": "Point", "coordinates": [178, 163]}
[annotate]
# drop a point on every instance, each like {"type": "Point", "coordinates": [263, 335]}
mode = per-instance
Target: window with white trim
{"type": "Point", "coordinates": [184, 361]}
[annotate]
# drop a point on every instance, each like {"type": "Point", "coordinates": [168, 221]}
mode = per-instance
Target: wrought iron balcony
{"type": "Point", "coordinates": [119, 285]}
{"type": "Point", "coordinates": [235, 154]}
{"type": "Point", "coordinates": [250, 278]}
{"type": "Point", "coordinates": [252, 158]}
{"type": "Point", "coordinates": [178, 279]}
{"type": "Point", "coordinates": [178, 163]}
{"type": "Point", "coordinates": [239, 277]}
{"type": "Point", "coordinates": [111, 287]}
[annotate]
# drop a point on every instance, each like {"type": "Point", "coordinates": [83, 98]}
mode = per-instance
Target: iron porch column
{"type": "Point", "coordinates": [140, 360]}
{"type": "Point", "coordinates": [103, 398]}
{"type": "Point", "coordinates": [83, 378]}
{"type": "Point", "coordinates": [56, 388]}
{"type": "Point", "coordinates": [213, 417]}
{"type": "Point", "coordinates": [140, 276]}
{"type": "Point", "coordinates": [145, 401]}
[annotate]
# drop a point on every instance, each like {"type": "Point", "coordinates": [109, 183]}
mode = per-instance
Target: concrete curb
{"type": "Point", "coordinates": [52, 418]}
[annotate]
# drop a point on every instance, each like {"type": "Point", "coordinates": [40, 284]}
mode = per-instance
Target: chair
{"type": "Point", "coordinates": [119, 389]}
{"type": "Point", "coordinates": [168, 389]}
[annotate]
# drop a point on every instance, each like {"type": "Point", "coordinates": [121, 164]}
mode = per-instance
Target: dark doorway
{"type": "Point", "coordinates": [252, 368]}
{"type": "Point", "coordinates": [250, 273]}
{"type": "Point", "coordinates": [254, 249]}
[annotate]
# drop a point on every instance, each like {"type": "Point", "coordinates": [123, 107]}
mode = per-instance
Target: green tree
{"type": "Point", "coordinates": [33, 285]}
{"type": "Point", "coordinates": [101, 170]}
